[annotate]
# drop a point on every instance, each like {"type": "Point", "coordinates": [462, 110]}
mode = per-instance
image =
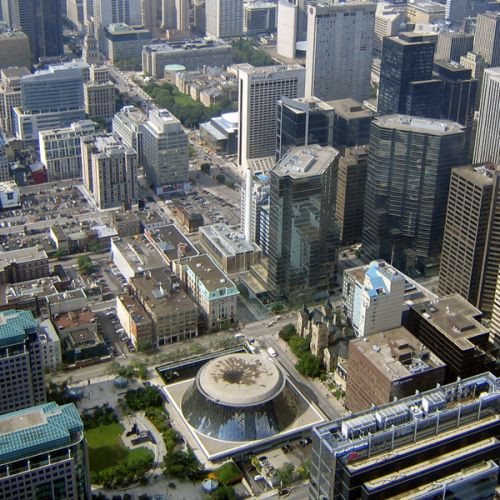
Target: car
{"type": "Point", "coordinates": [263, 459]}
{"type": "Point", "coordinates": [272, 352]}
{"type": "Point", "coordinates": [239, 336]}
{"type": "Point", "coordinates": [305, 442]}
{"type": "Point", "coordinates": [258, 477]}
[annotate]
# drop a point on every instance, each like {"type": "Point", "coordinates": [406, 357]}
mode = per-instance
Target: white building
{"type": "Point", "coordinates": [339, 50]}
{"type": "Point", "coordinates": [60, 150]}
{"type": "Point", "coordinates": [128, 124]}
{"type": "Point", "coordinates": [260, 90]}
{"type": "Point", "coordinates": [165, 151]}
{"type": "Point", "coordinates": [110, 171]}
{"type": "Point", "coordinates": [4, 162]}
{"type": "Point", "coordinates": [224, 18]}
{"type": "Point", "coordinates": [374, 297]}
{"type": "Point", "coordinates": [107, 12]}
{"type": "Point", "coordinates": [9, 195]}
{"type": "Point", "coordinates": [50, 346]}
{"type": "Point", "coordinates": [487, 146]}
{"type": "Point", "coordinates": [388, 21]}
{"type": "Point", "coordinates": [291, 26]}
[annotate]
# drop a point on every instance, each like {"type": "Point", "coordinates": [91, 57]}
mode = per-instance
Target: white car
{"type": "Point", "coordinates": [272, 352]}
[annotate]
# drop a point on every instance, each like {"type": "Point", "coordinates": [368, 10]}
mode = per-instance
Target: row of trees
{"type": "Point", "coordinates": [125, 473]}
{"type": "Point", "coordinates": [245, 52]}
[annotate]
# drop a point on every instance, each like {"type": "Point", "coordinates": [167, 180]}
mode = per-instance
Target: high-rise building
{"type": "Point", "coordinates": [409, 166]}
{"type": "Point", "coordinates": [452, 45]}
{"type": "Point", "coordinates": [99, 94]}
{"type": "Point", "coordinates": [165, 151]}
{"type": "Point", "coordinates": [471, 255]}
{"type": "Point", "coordinates": [151, 16]}
{"type": "Point", "coordinates": [107, 12]}
{"type": "Point", "coordinates": [351, 185]}
{"type": "Point", "coordinates": [292, 26]}
{"type": "Point", "coordinates": [41, 20]}
{"type": "Point", "coordinates": [224, 18]}
{"type": "Point", "coordinates": [477, 65]}
{"type": "Point", "coordinates": [303, 121]}
{"type": "Point", "coordinates": [495, 316]}
{"type": "Point", "coordinates": [123, 44]}
{"type": "Point", "coordinates": [487, 145]}
{"type": "Point", "coordinates": [21, 364]}
{"type": "Point", "coordinates": [487, 37]}
{"type": "Point", "coordinates": [339, 50]}
{"type": "Point", "coordinates": [260, 90]}
{"type": "Point", "coordinates": [52, 465]}
{"type": "Point", "coordinates": [110, 171]}
{"type": "Point", "coordinates": [60, 150]}
{"type": "Point", "coordinates": [438, 443]}
{"type": "Point", "coordinates": [259, 17]}
{"type": "Point", "coordinates": [10, 96]}
{"type": "Point", "coordinates": [14, 49]}
{"type": "Point", "coordinates": [405, 59]}
{"type": "Point", "coordinates": [388, 21]}
{"type": "Point", "coordinates": [90, 52]}
{"type": "Point", "coordinates": [303, 235]}
{"type": "Point", "coordinates": [391, 364]}
{"type": "Point", "coordinates": [75, 13]}
{"type": "Point", "coordinates": [128, 125]}
{"type": "Point", "coordinates": [451, 328]}
{"type": "Point", "coordinates": [4, 162]}
{"type": "Point", "coordinates": [200, 18]}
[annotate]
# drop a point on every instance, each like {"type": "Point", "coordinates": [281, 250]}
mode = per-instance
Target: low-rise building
{"type": "Point", "coordinates": [173, 313]}
{"type": "Point", "coordinates": [215, 294]}
{"type": "Point", "coordinates": [220, 134]}
{"type": "Point", "coordinates": [229, 248]}
{"type": "Point", "coordinates": [25, 264]}
{"type": "Point", "coordinates": [10, 196]}
{"type": "Point", "coordinates": [126, 223]}
{"type": "Point", "coordinates": [190, 221]}
{"type": "Point", "coordinates": [391, 364]}
{"type": "Point", "coordinates": [123, 44]}
{"type": "Point", "coordinates": [51, 346]}
{"type": "Point", "coordinates": [152, 219]}
{"type": "Point", "coordinates": [135, 321]}
{"type": "Point", "coordinates": [67, 301]}
{"type": "Point", "coordinates": [44, 453]}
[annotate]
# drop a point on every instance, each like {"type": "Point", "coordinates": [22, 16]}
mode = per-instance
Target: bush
{"type": "Point", "coordinates": [309, 365]}
{"type": "Point", "coordinates": [228, 473]}
{"type": "Point", "coordinates": [299, 345]}
{"type": "Point", "coordinates": [143, 398]}
{"type": "Point", "coordinates": [102, 415]}
{"type": "Point", "coordinates": [287, 332]}
{"type": "Point", "coordinates": [223, 492]}
{"type": "Point", "coordinates": [285, 474]}
{"type": "Point", "coordinates": [125, 473]}
{"type": "Point", "coordinates": [85, 264]}
{"type": "Point", "coordinates": [229, 183]}
{"type": "Point", "coordinates": [205, 168]}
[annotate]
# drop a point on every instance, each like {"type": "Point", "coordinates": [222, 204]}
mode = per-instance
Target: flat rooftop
{"type": "Point", "coordinates": [150, 217]}
{"type": "Point", "coordinates": [305, 161]}
{"type": "Point", "coordinates": [421, 125]}
{"type": "Point", "coordinates": [262, 70]}
{"type": "Point", "coordinates": [14, 72]}
{"type": "Point", "coordinates": [66, 296]}
{"type": "Point", "coordinates": [139, 255]}
{"type": "Point", "coordinates": [13, 326]}
{"type": "Point", "coordinates": [453, 317]}
{"type": "Point", "coordinates": [171, 242]}
{"type": "Point", "coordinates": [28, 289]}
{"type": "Point", "coordinates": [397, 353]}
{"type": "Point", "coordinates": [21, 256]}
{"type": "Point", "coordinates": [184, 45]}
{"type": "Point", "coordinates": [350, 109]}
{"type": "Point", "coordinates": [208, 273]}
{"type": "Point", "coordinates": [227, 241]}
{"type": "Point", "coordinates": [124, 217]}
{"type": "Point", "coordinates": [135, 309]}
{"type": "Point", "coordinates": [73, 319]}
{"type": "Point", "coordinates": [481, 175]}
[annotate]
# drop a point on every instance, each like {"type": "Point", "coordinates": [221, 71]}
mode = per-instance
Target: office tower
{"type": "Point", "coordinates": [425, 13]}
{"type": "Point", "coordinates": [495, 316]}
{"type": "Point", "coordinates": [10, 95]}
{"type": "Point", "coordinates": [108, 12]}
{"type": "Point", "coordinates": [224, 18]}
{"type": "Point", "coordinates": [44, 454]}
{"type": "Point", "coordinates": [436, 444]}
{"type": "Point", "coordinates": [351, 185]}
{"type": "Point", "coordinates": [260, 90]}
{"type": "Point", "coordinates": [452, 45]}
{"type": "Point", "coordinates": [455, 11]}
{"type": "Point", "coordinates": [60, 150]}
{"type": "Point", "coordinates": [291, 26]}
{"type": "Point", "coordinates": [165, 151]}
{"type": "Point", "coordinates": [21, 370]}
{"type": "Point", "coordinates": [391, 364]}
{"type": "Point", "coordinates": [259, 17]}
{"type": "Point", "coordinates": [487, 37]}
{"type": "Point", "coordinates": [303, 121]}
{"type": "Point", "coordinates": [405, 59]}
{"type": "Point", "coordinates": [477, 65]}
{"type": "Point", "coordinates": [90, 52]}
{"type": "Point", "coordinates": [451, 328]}
{"type": "Point", "coordinates": [409, 166]}
{"type": "Point", "coordinates": [487, 145]}
{"type": "Point", "coordinates": [14, 49]}
{"type": "Point", "coordinates": [471, 255]}
{"type": "Point", "coordinates": [200, 18]}
{"type": "Point", "coordinates": [123, 44]}
{"type": "Point", "coordinates": [339, 50]}
{"type": "Point", "coordinates": [151, 16]}
{"type": "Point", "coordinates": [128, 124]}
{"type": "Point", "coordinates": [75, 13]}
{"type": "Point", "coordinates": [4, 162]}
{"type": "Point", "coordinates": [99, 94]}
{"type": "Point", "coordinates": [50, 98]}
{"type": "Point", "coordinates": [303, 236]}
{"type": "Point", "coordinates": [109, 171]}
{"type": "Point", "coordinates": [388, 21]}
{"type": "Point", "coordinates": [182, 15]}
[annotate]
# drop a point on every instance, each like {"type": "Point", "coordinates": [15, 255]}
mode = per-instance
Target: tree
{"type": "Point", "coordinates": [285, 474]}
{"type": "Point", "coordinates": [143, 398]}
{"type": "Point", "coordinates": [309, 365]}
{"type": "Point", "coordinates": [85, 264]}
{"type": "Point", "coordinates": [223, 492]}
{"type": "Point", "coordinates": [220, 178]}
{"type": "Point", "coordinates": [205, 168]}
{"type": "Point", "coordinates": [299, 345]}
{"type": "Point", "coordinates": [229, 183]}
{"type": "Point", "coordinates": [182, 465]}
{"type": "Point", "coordinates": [287, 332]}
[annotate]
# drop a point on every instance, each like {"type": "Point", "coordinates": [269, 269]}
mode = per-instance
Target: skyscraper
{"type": "Point", "coordinates": [339, 50]}
{"type": "Point", "coordinates": [487, 37]}
{"type": "Point", "coordinates": [260, 90]}
{"type": "Point", "coordinates": [291, 26]}
{"type": "Point", "coordinates": [224, 18]}
{"type": "Point", "coordinates": [409, 166]}
{"type": "Point", "coordinates": [303, 236]}
{"type": "Point", "coordinates": [471, 255]}
{"type": "Point", "coordinates": [452, 45]}
{"type": "Point", "coordinates": [405, 59]}
{"type": "Point", "coordinates": [487, 145]}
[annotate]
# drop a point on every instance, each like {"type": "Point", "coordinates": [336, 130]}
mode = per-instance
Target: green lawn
{"type": "Point", "coordinates": [107, 449]}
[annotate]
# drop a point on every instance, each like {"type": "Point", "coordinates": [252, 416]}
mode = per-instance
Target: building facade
{"type": "Point", "coordinates": [10, 96]}
{"type": "Point", "coordinates": [339, 50]}
{"type": "Point", "coordinates": [452, 45]}
{"type": "Point", "coordinates": [487, 38]}
{"type": "Point", "coordinates": [128, 125]}
{"type": "Point", "coordinates": [14, 49]}
{"type": "Point", "coordinates": [224, 18]}
{"type": "Point", "coordinates": [99, 94]}
{"type": "Point", "coordinates": [123, 45]}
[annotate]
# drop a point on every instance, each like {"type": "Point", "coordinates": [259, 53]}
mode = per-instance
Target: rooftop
{"type": "Point", "coordinates": [240, 380]}
{"type": "Point", "coordinates": [397, 353]}
{"type": "Point", "coordinates": [14, 72]}
{"type": "Point", "coordinates": [135, 309]}
{"type": "Point", "coordinates": [184, 45]}
{"type": "Point", "coordinates": [349, 108]}
{"type": "Point", "coordinates": [302, 104]}
{"type": "Point", "coordinates": [149, 217]}
{"type": "Point", "coordinates": [14, 326]}
{"type": "Point", "coordinates": [38, 429]}
{"type": "Point", "coordinates": [171, 242]}
{"type": "Point", "coordinates": [8, 186]}
{"type": "Point", "coordinates": [22, 255]}
{"type": "Point", "coordinates": [481, 175]}
{"type": "Point", "coordinates": [66, 296]}
{"type": "Point", "coordinates": [305, 161]}
{"type": "Point", "coordinates": [28, 289]}
{"type": "Point", "coordinates": [140, 255]}
{"type": "Point", "coordinates": [124, 217]}
{"type": "Point", "coordinates": [455, 318]}
{"type": "Point", "coordinates": [73, 319]}
{"type": "Point", "coordinates": [9, 35]}
{"type": "Point", "coordinates": [420, 125]}
{"type": "Point", "coordinates": [263, 70]}
{"type": "Point", "coordinates": [208, 273]}
{"type": "Point", "coordinates": [227, 241]}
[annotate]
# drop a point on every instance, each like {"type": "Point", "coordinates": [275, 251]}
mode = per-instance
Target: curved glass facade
{"type": "Point", "coordinates": [230, 423]}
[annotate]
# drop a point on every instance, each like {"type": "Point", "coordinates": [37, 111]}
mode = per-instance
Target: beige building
{"type": "Point", "coordinates": [23, 265]}
{"type": "Point", "coordinates": [10, 96]}
{"type": "Point", "coordinates": [99, 94]}
{"type": "Point", "coordinates": [173, 314]}
{"type": "Point", "coordinates": [14, 49]}
{"type": "Point", "coordinates": [135, 321]}
{"type": "Point", "coordinates": [215, 294]}
{"type": "Point", "coordinates": [425, 12]}
{"type": "Point", "coordinates": [109, 171]}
